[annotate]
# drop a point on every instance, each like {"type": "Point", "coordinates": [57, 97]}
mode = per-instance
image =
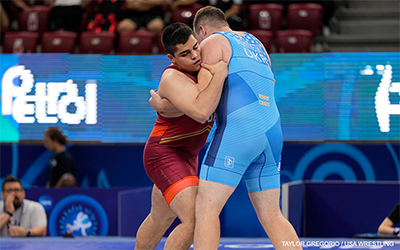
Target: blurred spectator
{"type": "Point", "coordinates": [106, 16]}
{"type": "Point", "coordinates": [175, 4]}
{"type": "Point", "coordinates": [231, 8]}
{"type": "Point", "coordinates": [390, 225]}
{"type": "Point", "coordinates": [143, 13]}
{"type": "Point", "coordinates": [61, 162]}
{"type": "Point", "coordinates": [66, 14]}
{"type": "Point", "coordinates": [13, 8]}
{"type": "Point", "coordinates": [4, 20]}
{"type": "Point", "coordinates": [181, 11]}
{"type": "Point", "coordinates": [21, 4]}
{"type": "Point", "coordinates": [20, 217]}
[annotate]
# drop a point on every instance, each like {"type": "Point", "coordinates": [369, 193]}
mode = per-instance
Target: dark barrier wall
{"type": "Point", "coordinates": [120, 165]}
{"type": "Point", "coordinates": [85, 212]}
{"type": "Point", "coordinates": [337, 208]}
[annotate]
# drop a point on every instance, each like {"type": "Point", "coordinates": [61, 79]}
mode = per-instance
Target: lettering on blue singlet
{"type": "Point", "coordinates": [257, 56]}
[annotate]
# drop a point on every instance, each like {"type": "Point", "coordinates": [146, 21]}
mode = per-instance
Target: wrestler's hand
{"type": "Point", "coordinates": [160, 104]}
{"type": "Point", "coordinates": [155, 100]}
{"type": "Point", "coordinates": [220, 67]}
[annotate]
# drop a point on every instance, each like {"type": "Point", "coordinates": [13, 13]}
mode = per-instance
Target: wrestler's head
{"type": "Point", "coordinates": [182, 47]}
{"type": "Point", "coordinates": [207, 20]}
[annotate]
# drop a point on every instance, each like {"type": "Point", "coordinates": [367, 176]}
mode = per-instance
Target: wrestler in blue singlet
{"type": "Point", "coordinates": [248, 138]}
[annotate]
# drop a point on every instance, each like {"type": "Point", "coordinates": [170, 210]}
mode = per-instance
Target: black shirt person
{"type": "Point", "coordinates": [61, 165]}
{"type": "Point", "coordinates": [391, 220]}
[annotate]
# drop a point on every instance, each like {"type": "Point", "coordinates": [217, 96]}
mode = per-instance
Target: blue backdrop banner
{"type": "Point", "coordinates": [96, 98]}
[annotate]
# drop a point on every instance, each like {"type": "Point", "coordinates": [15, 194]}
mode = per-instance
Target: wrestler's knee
{"type": "Point", "coordinates": [162, 219]}
{"type": "Point", "coordinates": [189, 225]}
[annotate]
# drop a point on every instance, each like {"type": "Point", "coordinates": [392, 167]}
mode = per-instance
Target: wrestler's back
{"type": "Point", "coordinates": [247, 105]}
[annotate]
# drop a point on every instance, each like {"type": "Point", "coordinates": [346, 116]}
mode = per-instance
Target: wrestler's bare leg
{"type": "Point", "coordinates": [157, 222]}
{"type": "Point", "coordinates": [211, 198]}
{"type": "Point", "coordinates": [183, 205]}
{"type": "Point", "coordinates": [279, 230]}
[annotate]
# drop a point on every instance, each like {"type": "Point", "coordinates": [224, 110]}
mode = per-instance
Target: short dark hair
{"type": "Point", "coordinates": [174, 34]}
{"type": "Point", "coordinates": [10, 178]}
{"type": "Point", "coordinates": [56, 135]}
{"type": "Point", "coordinates": [210, 16]}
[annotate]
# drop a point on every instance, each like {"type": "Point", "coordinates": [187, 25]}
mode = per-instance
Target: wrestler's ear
{"type": "Point", "coordinates": [203, 30]}
{"type": "Point", "coordinates": [171, 57]}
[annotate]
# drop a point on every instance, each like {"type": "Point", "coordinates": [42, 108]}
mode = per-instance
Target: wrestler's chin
{"type": "Point", "coordinates": [195, 68]}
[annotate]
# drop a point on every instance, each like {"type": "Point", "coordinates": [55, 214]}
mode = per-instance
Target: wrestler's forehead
{"type": "Point", "coordinates": [187, 46]}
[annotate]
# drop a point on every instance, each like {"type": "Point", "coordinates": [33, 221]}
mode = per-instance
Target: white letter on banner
{"type": "Point", "coordinates": [383, 106]}
{"type": "Point", "coordinates": [43, 104]}
{"type": "Point", "coordinates": [71, 97]}
{"type": "Point", "coordinates": [91, 101]}
{"type": "Point", "coordinates": [19, 107]}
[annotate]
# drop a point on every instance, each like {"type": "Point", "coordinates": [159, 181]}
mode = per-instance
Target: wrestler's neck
{"type": "Point", "coordinates": [193, 73]}
{"type": "Point", "coordinates": [222, 29]}
{"type": "Point", "coordinates": [227, 29]}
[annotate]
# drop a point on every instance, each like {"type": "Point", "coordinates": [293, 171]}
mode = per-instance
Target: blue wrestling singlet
{"type": "Point", "coordinates": [248, 139]}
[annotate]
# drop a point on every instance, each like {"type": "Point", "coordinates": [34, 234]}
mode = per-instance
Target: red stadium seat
{"type": "Point", "coordinates": [293, 41]}
{"type": "Point", "coordinates": [136, 42]}
{"type": "Point", "coordinates": [307, 16]}
{"type": "Point", "coordinates": [265, 37]}
{"type": "Point", "coordinates": [59, 42]}
{"type": "Point", "coordinates": [20, 42]}
{"type": "Point", "coordinates": [265, 16]}
{"type": "Point", "coordinates": [185, 14]}
{"type": "Point", "coordinates": [96, 43]}
{"type": "Point", "coordinates": [37, 20]}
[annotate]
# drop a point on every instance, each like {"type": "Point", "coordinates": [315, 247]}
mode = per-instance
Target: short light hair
{"type": "Point", "coordinates": [210, 16]}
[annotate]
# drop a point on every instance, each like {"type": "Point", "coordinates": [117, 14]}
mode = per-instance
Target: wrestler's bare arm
{"type": "Point", "coordinates": [163, 106]}
{"type": "Point", "coordinates": [217, 47]}
{"type": "Point", "coordinates": [187, 97]}
{"type": "Point", "coordinates": [160, 101]}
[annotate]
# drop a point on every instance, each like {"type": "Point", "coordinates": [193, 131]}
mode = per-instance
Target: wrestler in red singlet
{"type": "Point", "coordinates": [171, 152]}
